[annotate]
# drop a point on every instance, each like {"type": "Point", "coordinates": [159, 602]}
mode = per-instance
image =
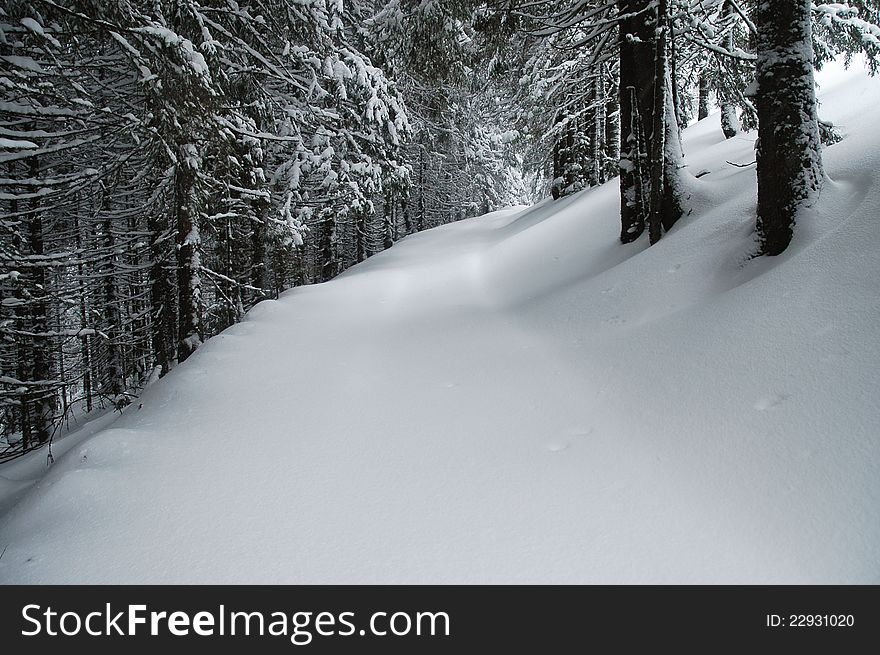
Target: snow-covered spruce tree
{"type": "Point", "coordinates": [726, 77]}
{"type": "Point", "coordinates": [461, 149]}
{"type": "Point", "coordinates": [648, 125]}
{"type": "Point", "coordinates": [713, 55]}
{"type": "Point", "coordinates": [788, 151]}
{"type": "Point", "coordinates": [49, 126]}
{"type": "Point", "coordinates": [564, 116]}
{"type": "Point", "coordinates": [160, 163]}
{"type": "Point", "coordinates": [846, 28]}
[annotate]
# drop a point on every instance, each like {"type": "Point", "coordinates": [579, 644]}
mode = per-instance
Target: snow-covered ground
{"type": "Point", "coordinates": [518, 398]}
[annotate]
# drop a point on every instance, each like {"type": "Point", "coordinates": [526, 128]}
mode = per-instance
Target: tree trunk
{"type": "Point", "coordinates": [682, 112]}
{"type": "Point", "coordinates": [258, 248]}
{"type": "Point", "coordinates": [556, 184]}
{"type": "Point", "coordinates": [666, 194]}
{"type": "Point", "coordinates": [388, 221]}
{"type": "Point", "coordinates": [407, 219]}
{"type": "Point", "coordinates": [788, 152]}
{"type": "Point", "coordinates": [328, 247]}
{"type": "Point", "coordinates": [636, 107]}
{"type": "Point", "coordinates": [612, 132]}
{"type": "Point", "coordinates": [188, 281]}
{"type": "Point", "coordinates": [597, 127]}
{"type": "Point", "coordinates": [658, 129]}
{"type": "Point", "coordinates": [41, 369]}
{"type": "Point", "coordinates": [162, 297]}
{"type": "Point", "coordinates": [85, 345]}
{"type": "Point", "coordinates": [115, 386]}
{"type": "Point", "coordinates": [673, 193]}
{"type": "Point", "coordinates": [729, 122]}
{"type": "Point", "coordinates": [420, 216]}
{"type": "Point", "coordinates": [360, 236]}
{"type": "Point", "coordinates": [703, 103]}
{"type": "Point", "coordinates": [22, 345]}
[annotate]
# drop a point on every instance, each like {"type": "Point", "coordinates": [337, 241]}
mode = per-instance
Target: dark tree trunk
{"type": "Point", "coordinates": [115, 386]}
{"type": "Point", "coordinates": [22, 346]}
{"type": "Point", "coordinates": [729, 121]}
{"type": "Point", "coordinates": [138, 308]}
{"type": "Point", "coordinates": [328, 248]}
{"type": "Point", "coordinates": [258, 248]}
{"type": "Point", "coordinates": [788, 152]}
{"type": "Point", "coordinates": [569, 157]}
{"type": "Point", "coordinates": [636, 107]}
{"type": "Point", "coordinates": [658, 129]}
{"type": "Point", "coordinates": [597, 128]}
{"type": "Point", "coordinates": [24, 370]}
{"type": "Point", "coordinates": [188, 284]}
{"type": "Point", "coordinates": [558, 172]}
{"type": "Point", "coordinates": [162, 296]}
{"type": "Point", "coordinates": [682, 112]}
{"type": "Point", "coordinates": [388, 221]}
{"type": "Point", "coordinates": [612, 132]}
{"type": "Point", "coordinates": [85, 340]}
{"type": "Point", "coordinates": [407, 219]}
{"type": "Point", "coordinates": [299, 266]}
{"type": "Point", "coordinates": [703, 102]}
{"type": "Point", "coordinates": [41, 368]}
{"type": "Point", "coordinates": [420, 215]}
{"type": "Point", "coordinates": [360, 236]}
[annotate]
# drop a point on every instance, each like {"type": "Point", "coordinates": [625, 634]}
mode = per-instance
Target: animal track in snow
{"type": "Point", "coordinates": [769, 402]}
{"type": "Point", "coordinates": [568, 434]}
{"type": "Point", "coordinates": [579, 432]}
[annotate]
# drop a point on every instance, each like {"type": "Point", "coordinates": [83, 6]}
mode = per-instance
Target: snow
{"type": "Point", "coordinates": [17, 144]}
{"type": "Point", "coordinates": [518, 398]}
{"type": "Point", "coordinates": [27, 63]}
{"type": "Point", "coordinates": [33, 26]}
{"type": "Point", "coordinates": [20, 474]}
{"type": "Point", "coordinates": [194, 58]}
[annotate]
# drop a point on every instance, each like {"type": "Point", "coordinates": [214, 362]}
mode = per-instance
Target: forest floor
{"type": "Point", "coordinates": [516, 398]}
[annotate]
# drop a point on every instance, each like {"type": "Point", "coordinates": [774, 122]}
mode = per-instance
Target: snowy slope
{"type": "Point", "coordinates": [518, 398]}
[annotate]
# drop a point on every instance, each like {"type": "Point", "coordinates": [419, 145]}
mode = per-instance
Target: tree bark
{"type": "Point", "coordinates": [729, 121]}
{"type": "Point", "coordinates": [115, 376]}
{"type": "Point", "coordinates": [259, 237]}
{"type": "Point", "coordinates": [329, 267]}
{"type": "Point", "coordinates": [43, 395]}
{"type": "Point", "coordinates": [597, 129]}
{"type": "Point", "coordinates": [388, 221]}
{"type": "Point", "coordinates": [162, 296]}
{"type": "Point", "coordinates": [673, 193]}
{"type": "Point", "coordinates": [703, 102]}
{"type": "Point", "coordinates": [636, 107]}
{"type": "Point", "coordinates": [360, 235]}
{"type": "Point", "coordinates": [612, 132]}
{"type": "Point", "coordinates": [85, 345]}
{"type": "Point", "coordinates": [188, 282]}
{"type": "Point", "coordinates": [789, 151]}
{"type": "Point", "coordinates": [658, 129]}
